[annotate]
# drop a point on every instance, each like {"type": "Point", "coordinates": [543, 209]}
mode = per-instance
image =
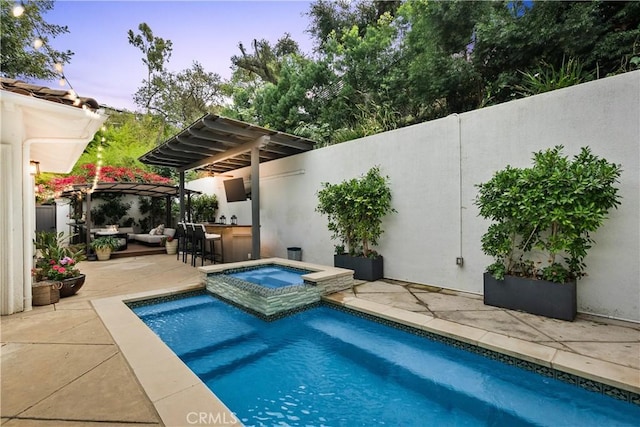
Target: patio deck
{"type": "Point", "coordinates": [61, 367]}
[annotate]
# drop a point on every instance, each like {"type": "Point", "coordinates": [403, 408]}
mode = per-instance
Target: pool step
{"type": "Point", "coordinates": [209, 365]}
{"type": "Point", "coordinates": [481, 392]}
{"type": "Point", "coordinates": [174, 306]}
{"type": "Point", "coordinates": [198, 352]}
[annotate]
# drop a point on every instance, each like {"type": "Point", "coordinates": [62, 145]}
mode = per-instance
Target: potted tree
{"type": "Point", "coordinates": [103, 246]}
{"type": "Point", "coordinates": [542, 218]}
{"type": "Point", "coordinates": [355, 209]}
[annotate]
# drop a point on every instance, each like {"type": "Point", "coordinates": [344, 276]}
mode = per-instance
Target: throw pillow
{"type": "Point", "coordinates": [152, 232]}
{"type": "Point", "coordinates": [160, 230]}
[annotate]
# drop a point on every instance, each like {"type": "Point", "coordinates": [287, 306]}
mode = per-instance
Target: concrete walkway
{"type": "Point", "coordinates": [60, 366]}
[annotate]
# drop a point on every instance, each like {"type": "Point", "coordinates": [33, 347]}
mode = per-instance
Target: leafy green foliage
{"type": "Point", "coordinates": [111, 210]}
{"type": "Point", "coordinates": [152, 210]}
{"type": "Point", "coordinates": [204, 207]}
{"type": "Point", "coordinates": [127, 136]}
{"type": "Point", "coordinates": [355, 209]}
{"type": "Point", "coordinates": [19, 58]}
{"type": "Point", "coordinates": [547, 78]}
{"type": "Point", "coordinates": [551, 207]}
{"type": "Point", "coordinates": [105, 242]}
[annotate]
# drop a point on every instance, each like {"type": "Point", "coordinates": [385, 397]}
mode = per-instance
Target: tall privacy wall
{"type": "Point", "coordinates": [434, 167]}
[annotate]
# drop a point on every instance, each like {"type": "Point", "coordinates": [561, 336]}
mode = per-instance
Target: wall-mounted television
{"type": "Point", "coordinates": [234, 190]}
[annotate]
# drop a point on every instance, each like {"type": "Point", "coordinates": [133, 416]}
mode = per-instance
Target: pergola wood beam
{"type": "Point", "coordinates": [231, 152]}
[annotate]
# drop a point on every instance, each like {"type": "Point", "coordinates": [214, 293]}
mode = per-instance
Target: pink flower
{"type": "Point", "coordinates": [62, 270]}
{"type": "Point", "coordinates": [52, 262]}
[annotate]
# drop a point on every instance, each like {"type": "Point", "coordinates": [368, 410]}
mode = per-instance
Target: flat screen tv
{"type": "Point", "coordinates": [234, 190]}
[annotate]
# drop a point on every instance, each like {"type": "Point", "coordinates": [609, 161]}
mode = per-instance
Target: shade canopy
{"type": "Point", "coordinates": [135, 188]}
{"type": "Point", "coordinates": [219, 144]}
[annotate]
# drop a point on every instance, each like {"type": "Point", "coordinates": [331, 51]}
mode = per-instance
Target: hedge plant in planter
{"type": "Point", "coordinates": [542, 218]}
{"type": "Point", "coordinates": [355, 209]}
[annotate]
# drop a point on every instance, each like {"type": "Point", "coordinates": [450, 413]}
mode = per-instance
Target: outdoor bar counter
{"type": "Point", "coordinates": [236, 241]}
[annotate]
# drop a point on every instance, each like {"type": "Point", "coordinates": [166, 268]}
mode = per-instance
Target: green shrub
{"type": "Point", "coordinates": [552, 207]}
{"type": "Point", "coordinates": [355, 209]}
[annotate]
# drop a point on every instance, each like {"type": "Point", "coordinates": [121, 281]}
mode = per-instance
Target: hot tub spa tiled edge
{"type": "Point", "coordinates": [267, 303]}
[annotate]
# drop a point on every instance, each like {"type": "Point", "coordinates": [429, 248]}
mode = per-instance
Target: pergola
{"type": "Point", "coordinates": [219, 144]}
{"type": "Point", "coordinates": [135, 188]}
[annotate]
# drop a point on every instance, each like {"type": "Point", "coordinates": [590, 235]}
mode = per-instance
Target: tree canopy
{"type": "Point", "coordinates": [375, 66]}
{"type": "Point", "coordinates": [25, 42]}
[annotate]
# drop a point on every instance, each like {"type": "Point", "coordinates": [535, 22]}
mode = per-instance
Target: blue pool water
{"type": "Point", "coordinates": [326, 367]}
{"type": "Point", "coordinates": [273, 276]}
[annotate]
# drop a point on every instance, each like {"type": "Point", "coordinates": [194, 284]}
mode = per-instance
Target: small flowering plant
{"type": "Point", "coordinates": [64, 268]}
{"type": "Point", "coordinates": [56, 261]}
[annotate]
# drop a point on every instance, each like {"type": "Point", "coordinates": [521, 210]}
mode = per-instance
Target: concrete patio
{"type": "Point", "coordinates": [61, 367]}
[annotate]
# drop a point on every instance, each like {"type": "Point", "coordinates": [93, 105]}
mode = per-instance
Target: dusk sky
{"type": "Point", "coordinates": [106, 67]}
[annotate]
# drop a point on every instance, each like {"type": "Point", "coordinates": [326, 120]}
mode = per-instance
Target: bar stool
{"type": "Point", "coordinates": [202, 239]}
{"type": "Point", "coordinates": [181, 235]}
{"type": "Point", "coordinates": [190, 244]}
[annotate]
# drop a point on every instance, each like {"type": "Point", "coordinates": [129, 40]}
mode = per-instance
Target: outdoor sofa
{"type": "Point", "coordinates": [153, 237]}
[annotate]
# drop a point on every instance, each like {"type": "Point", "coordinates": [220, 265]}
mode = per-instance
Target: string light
{"type": "Point", "coordinates": [39, 42]}
{"type": "Point", "coordinates": [18, 10]}
{"type": "Point", "coordinates": [96, 177]}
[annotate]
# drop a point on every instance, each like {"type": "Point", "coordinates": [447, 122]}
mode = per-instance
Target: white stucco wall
{"type": "Point", "coordinates": [54, 135]}
{"type": "Point", "coordinates": [434, 168]}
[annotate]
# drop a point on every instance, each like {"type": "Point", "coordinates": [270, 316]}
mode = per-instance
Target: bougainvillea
{"type": "Point", "coordinates": [107, 174]}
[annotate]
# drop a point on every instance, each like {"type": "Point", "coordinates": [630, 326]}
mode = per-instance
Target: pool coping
{"type": "Point", "coordinates": [319, 272]}
{"type": "Point", "coordinates": [177, 393]}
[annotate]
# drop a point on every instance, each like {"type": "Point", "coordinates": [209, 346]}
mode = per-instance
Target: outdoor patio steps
{"type": "Point", "coordinates": [141, 251]}
{"type": "Point", "coordinates": [486, 395]}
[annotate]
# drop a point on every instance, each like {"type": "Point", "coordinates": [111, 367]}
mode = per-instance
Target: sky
{"type": "Point", "coordinates": [107, 68]}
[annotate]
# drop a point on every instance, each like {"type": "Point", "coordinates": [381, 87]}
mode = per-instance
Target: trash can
{"type": "Point", "coordinates": [294, 253]}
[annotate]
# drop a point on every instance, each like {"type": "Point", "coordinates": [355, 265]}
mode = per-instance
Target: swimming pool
{"type": "Point", "coordinates": [323, 366]}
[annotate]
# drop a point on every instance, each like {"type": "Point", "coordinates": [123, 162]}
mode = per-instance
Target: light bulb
{"type": "Point", "coordinates": [103, 128]}
{"type": "Point", "coordinates": [18, 10]}
{"type": "Point", "coordinates": [37, 43]}
{"type": "Point", "coordinates": [58, 67]}
{"type": "Point", "coordinates": [103, 139]}
{"type": "Point", "coordinates": [62, 82]}
{"type": "Point", "coordinates": [99, 147]}
{"type": "Point", "coordinates": [76, 102]}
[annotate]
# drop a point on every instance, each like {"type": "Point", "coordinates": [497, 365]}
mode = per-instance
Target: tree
{"type": "Point", "coordinates": [156, 52]}
{"type": "Point", "coordinates": [184, 96]}
{"type": "Point", "coordinates": [265, 61]}
{"type": "Point", "coordinates": [604, 37]}
{"type": "Point", "coordinates": [179, 98]}
{"type": "Point", "coordinates": [20, 57]}
{"type": "Point", "coordinates": [329, 17]}
{"type": "Point", "coordinates": [437, 74]}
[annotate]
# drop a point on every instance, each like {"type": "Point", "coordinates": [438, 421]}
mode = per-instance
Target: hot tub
{"type": "Point", "coordinates": [273, 287]}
